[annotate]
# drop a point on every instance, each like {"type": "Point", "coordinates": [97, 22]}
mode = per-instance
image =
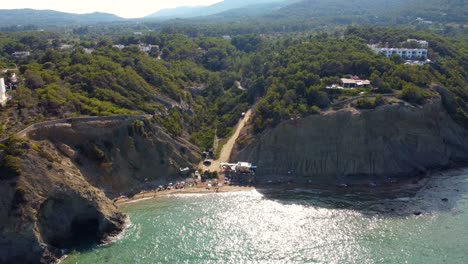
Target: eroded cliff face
{"type": "Point", "coordinates": [49, 207]}
{"type": "Point", "coordinates": [120, 155]}
{"type": "Point", "coordinates": [69, 172]}
{"type": "Point", "coordinates": [371, 146]}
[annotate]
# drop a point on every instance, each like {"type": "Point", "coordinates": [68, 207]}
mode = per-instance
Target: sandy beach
{"type": "Point", "coordinates": [266, 188]}
{"type": "Point", "coordinates": [201, 189]}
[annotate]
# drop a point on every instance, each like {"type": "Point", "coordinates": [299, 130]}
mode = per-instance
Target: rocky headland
{"type": "Point", "coordinates": [57, 190]}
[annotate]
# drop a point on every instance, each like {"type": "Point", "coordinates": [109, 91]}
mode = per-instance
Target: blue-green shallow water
{"type": "Point", "coordinates": [247, 227]}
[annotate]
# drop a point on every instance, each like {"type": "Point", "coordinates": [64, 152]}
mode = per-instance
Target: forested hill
{"type": "Point", "coordinates": [49, 18]}
{"type": "Point", "coordinates": [195, 76]}
{"type": "Point", "coordinates": [434, 10]}
{"type": "Point", "coordinates": [268, 16]}
{"type": "Point", "coordinates": [448, 17]}
{"type": "Point", "coordinates": [286, 76]}
{"type": "Point", "coordinates": [299, 70]}
{"type": "Point", "coordinates": [186, 12]}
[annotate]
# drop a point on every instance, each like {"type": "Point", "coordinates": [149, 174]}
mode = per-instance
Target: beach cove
{"type": "Point", "coordinates": [294, 226]}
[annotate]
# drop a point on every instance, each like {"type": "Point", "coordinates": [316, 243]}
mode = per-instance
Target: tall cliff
{"type": "Point", "coordinates": [370, 146]}
{"type": "Point", "coordinates": [120, 154]}
{"type": "Point", "coordinates": [57, 185]}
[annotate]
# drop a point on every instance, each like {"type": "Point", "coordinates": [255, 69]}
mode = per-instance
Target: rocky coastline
{"type": "Point", "coordinates": [66, 175]}
{"type": "Point", "coordinates": [72, 171]}
{"type": "Point", "coordinates": [377, 146]}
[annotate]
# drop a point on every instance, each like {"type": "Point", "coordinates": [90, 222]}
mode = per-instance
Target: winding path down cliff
{"type": "Point", "coordinates": [227, 148]}
{"type": "Point", "coordinates": [71, 120]}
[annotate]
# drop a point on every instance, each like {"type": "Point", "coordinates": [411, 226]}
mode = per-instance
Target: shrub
{"type": "Point", "coordinates": [367, 103]}
{"type": "Point", "coordinates": [212, 175]}
{"type": "Point", "coordinates": [314, 110]}
{"type": "Point", "coordinates": [379, 100]}
{"type": "Point", "coordinates": [364, 103]}
{"type": "Point", "coordinates": [93, 152]}
{"type": "Point", "coordinates": [97, 154]}
{"type": "Point", "coordinates": [203, 138]}
{"type": "Point", "coordinates": [42, 153]}
{"type": "Point", "coordinates": [413, 94]}
{"type": "Point", "coordinates": [138, 127]}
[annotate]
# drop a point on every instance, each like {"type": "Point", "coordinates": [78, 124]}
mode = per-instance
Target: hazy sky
{"type": "Point", "coordinates": [123, 8]}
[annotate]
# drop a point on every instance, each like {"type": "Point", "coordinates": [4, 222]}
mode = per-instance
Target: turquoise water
{"type": "Point", "coordinates": [296, 227]}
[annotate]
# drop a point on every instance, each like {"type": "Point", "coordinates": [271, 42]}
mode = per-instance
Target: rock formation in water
{"type": "Point", "coordinates": [58, 195]}
{"type": "Point", "coordinates": [348, 148]}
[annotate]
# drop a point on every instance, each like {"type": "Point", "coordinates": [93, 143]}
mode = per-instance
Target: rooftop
{"type": "Point", "coordinates": [355, 81]}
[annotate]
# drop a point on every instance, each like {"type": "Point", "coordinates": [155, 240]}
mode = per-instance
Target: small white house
{"type": "Point", "coordinates": [119, 46]}
{"type": "Point", "coordinates": [88, 51]}
{"type": "Point", "coordinates": [354, 83]}
{"type": "Point", "coordinates": [21, 54]}
{"type": "Point", "coordinates": [147, 47]}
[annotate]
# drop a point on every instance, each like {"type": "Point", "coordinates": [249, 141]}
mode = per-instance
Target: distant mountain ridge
{"type": "Point", "coordinates": [197, 11]}
{"type": "Point", "coordinates": [16, 17]}
{"type": "Point", "coordinates": [278, 14]}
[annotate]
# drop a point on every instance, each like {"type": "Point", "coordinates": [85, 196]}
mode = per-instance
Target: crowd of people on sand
{"type": "Point", "coordinates": [215, 184]}
{"type": "Point", "coordinates": [197, 181]}
{"type": "Point", "coordinates": [176, 186]}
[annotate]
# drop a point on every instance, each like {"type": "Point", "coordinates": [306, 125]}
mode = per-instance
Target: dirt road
{"type": "Point", "coordinates": [227, 148]}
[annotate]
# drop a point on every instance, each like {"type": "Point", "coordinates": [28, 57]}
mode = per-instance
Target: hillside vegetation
{"type": "Point", "coordinates": [293, 73]}
{"type": "Point", "coordinates": [190, 83]}
{"type": "Point", "coordinates": [191, 88]}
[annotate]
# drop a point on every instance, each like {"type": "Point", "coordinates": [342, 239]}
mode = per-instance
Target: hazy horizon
{"type": "Point", "coordinates": [122, 8]}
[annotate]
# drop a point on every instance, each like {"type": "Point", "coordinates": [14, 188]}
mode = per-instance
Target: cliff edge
{"type": "Point", "coordinates": [58, 180]}
{"type": "Point", "coordinates": [370, 146]}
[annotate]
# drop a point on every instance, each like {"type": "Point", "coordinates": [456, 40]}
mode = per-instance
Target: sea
{"type": "Point", "coordinates": [427, 226]}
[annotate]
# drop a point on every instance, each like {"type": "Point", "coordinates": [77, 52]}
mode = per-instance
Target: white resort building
{"type": "Point", "coordinates": [405, 53]}
{"type": "Point", "coordinates": [402, 52]}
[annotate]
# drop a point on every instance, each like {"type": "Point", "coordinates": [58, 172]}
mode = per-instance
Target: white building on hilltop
{"type": "Point", "coordinates": [21, 54]}
{"type": "Point", "coordinates": [3, 96]}
{"type": "Point", "coordinates": [409, 54]}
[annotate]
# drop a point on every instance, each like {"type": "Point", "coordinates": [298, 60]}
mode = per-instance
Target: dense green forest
{"type": "Point", "coordinates": [189, 83]}
{"type": "Point", "coordinates": [296, 72]}
{"type": "Point", "coordinates": [191, 87]}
